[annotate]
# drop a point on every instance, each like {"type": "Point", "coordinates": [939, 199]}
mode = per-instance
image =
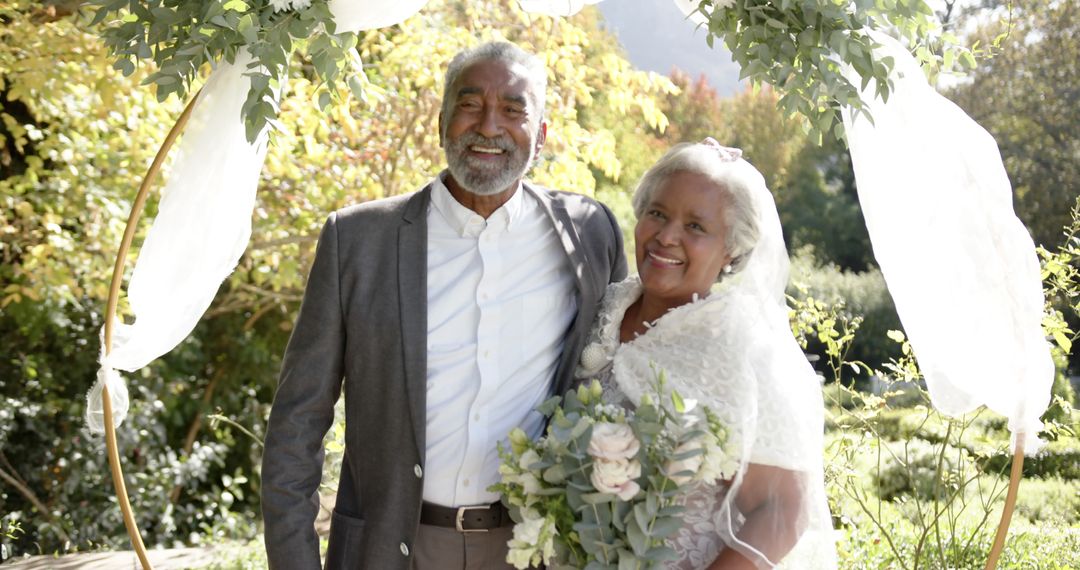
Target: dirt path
{"type": "Point", "coordinates": [173, 559]}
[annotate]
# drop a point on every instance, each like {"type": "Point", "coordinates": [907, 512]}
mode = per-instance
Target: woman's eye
{"type": "Point", "coordinates": [696, 227]}
{"type": "Point", "coordinates": [654, 214]}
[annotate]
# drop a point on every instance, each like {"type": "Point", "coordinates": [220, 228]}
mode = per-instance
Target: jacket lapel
{"type": "Point", "coordinates": [575, 253]}
{"type": "Point", "coordinates": [571, 242]}
{"type": "Point", "coordinates": [412, 299]}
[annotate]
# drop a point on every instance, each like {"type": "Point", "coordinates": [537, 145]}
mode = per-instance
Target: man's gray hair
{"type": "Point", "coordinates": [741, 215]}
{"type": "Point", "coordinates": [504, 52]}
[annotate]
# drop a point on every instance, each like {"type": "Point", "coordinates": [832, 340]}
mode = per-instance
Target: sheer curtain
{"type": "Point", "coordinates": [960, 265]}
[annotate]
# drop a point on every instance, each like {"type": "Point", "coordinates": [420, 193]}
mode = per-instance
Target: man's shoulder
{"type": "Point", "coordinates": [572, 202]}
{"type": "Point", "coordinates": [382, 209]}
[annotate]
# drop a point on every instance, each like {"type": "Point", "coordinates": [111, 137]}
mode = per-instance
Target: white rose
{"type": "Point", "coordinates": [691, 464]}
{"type": "Point", "coordinates": [613, 441]}
{"type": "Point", "coordinates": [616, 477]}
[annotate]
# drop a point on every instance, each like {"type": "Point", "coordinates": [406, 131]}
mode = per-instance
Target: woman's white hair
{"type": "Point", "coordinates": [728, 175]}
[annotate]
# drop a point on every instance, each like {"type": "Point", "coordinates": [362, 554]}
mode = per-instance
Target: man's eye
{"type": "Point", "coordinates": [654, 214]}
{"type": "Point", "coordinates": [696, 227]}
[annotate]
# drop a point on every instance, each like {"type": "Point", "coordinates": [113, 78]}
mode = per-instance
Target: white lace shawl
{"type": "Point", "coordinates": [734, 354]}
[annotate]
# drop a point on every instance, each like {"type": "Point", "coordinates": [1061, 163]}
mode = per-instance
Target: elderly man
{"type": "Point", "coordinates": [446, 316]}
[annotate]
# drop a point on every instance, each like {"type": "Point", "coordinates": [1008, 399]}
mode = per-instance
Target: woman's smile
{"type": "Point", "coordinates": [682, 239]}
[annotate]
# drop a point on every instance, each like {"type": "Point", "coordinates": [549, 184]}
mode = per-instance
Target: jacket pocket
{"type": "Point", "coordinates": [346, 542]}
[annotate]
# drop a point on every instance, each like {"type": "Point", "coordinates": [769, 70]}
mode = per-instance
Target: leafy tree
{"type": "Point", "coordinates": [695, 111]}
{"type": "Point", "coordinates": [819, 207]}
{"type": "Point", "coordinates": [1027, 95]}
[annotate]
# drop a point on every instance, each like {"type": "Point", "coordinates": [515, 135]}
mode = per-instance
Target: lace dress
{"type": "Point", "coordinates": [710, 352]}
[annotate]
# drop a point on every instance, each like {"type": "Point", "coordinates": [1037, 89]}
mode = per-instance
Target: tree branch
{"type": "Point", "coordinates": [25, 491]}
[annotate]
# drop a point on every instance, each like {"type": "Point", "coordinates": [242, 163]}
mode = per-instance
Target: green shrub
{"type": "Point", "coordinates": [248, 556]}
{"type": "Point", "coordinates": [863, 294]}
{"type": "Point", "coordinates": [869, 547]}
{"type": "Point", "coordinates": [1059, 458]}
{"type": "Point", "coordinates": [921, 469]}
{"type": "Point", "coordinates": [1049, 501]}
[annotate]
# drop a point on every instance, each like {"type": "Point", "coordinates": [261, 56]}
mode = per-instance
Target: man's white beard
{"type": "Point", "coordinates": [488, 177]}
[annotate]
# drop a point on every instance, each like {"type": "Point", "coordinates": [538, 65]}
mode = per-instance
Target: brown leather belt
{"type": "Point", "coordinates": [480, 518]}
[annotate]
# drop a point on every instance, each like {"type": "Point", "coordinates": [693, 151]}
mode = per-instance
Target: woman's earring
{"type": "Point", "coordinates": [727, 269]}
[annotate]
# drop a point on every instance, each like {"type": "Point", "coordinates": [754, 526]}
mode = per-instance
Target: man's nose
{"type": "Point", "coordinates": [489, 123]}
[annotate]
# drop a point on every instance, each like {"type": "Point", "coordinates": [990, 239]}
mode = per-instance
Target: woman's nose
{"type": "Point", "coordinates": [669, 234]}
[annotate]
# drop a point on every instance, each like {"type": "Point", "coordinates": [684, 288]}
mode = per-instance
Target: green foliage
{"type": "Point", "coordinates": [819, 208]}
{"type": "Point", "coordinates": [250, 556]}
{"type": "Point", "coordinates": [1051, 501]}
{"type": "Point", "coordinates": [181, 37]}
{"type": "Point", "coordinates": [801, 48]}
{"type": "Point", "coordinates": [1061, 285]}
{"type": "Point", "coordinates": [1046, 547]}
{"type": "Point", "coordinates": [832, 304]}
{"type": "Point", "coordinates": [1026, 97]}
{"type": "Point", "coordinates": [918, 468]}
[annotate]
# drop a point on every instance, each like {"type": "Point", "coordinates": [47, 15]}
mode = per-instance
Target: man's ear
{"type": "Point", "coordinates": [541, 137]}
{"type": "Point", "coordinates": [440, 130]}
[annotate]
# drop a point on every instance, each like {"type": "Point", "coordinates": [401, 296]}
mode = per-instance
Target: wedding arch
{"type": "Point", "coordinates": [931, 183]}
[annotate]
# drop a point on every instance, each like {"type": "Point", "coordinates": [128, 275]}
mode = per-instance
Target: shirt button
{"type": "Point", "coordinates": [419, 472]}
{"type": "Point", "coordinates": [466, 482]}
{"type": "Point", "coordinates": [476, 417]}
{"type": "Point", "coordinates": [487, 353]}
{"type": "Point", "coordinates": [404, 549]}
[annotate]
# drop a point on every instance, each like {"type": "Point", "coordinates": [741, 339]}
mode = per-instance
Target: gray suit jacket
{"type": "Point", "coordinates": [363, 325]}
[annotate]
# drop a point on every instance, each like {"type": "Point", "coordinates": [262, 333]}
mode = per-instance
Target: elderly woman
{"type": "Point", "coordinates": [708, 308]}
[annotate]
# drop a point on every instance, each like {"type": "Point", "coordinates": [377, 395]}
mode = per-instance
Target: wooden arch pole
{"type": "Point", "coordinates": [1015, 475]}
{"type": "Point", "coordinates": [110, 315]}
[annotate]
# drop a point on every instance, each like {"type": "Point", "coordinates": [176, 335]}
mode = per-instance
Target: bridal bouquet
{"type": "Point", "coordinates": [602, 488]}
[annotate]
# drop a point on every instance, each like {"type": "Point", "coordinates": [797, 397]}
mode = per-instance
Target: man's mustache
{"type": "Point", "coordinates": [472, 139]}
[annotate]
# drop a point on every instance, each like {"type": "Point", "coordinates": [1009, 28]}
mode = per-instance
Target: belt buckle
{"type": "Point", "coordinates": [460, 516]}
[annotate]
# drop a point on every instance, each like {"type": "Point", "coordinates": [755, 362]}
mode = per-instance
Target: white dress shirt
{"type": "Point", "coordinates": [501, 297]}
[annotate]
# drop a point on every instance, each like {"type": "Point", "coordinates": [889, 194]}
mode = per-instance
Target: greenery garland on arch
{"type": "Point", "coordinates": [801, 47]}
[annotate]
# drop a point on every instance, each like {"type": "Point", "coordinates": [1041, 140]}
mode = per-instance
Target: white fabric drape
{"type": "Point", "coordinates": [555, 7]}
{"type": "Point", "coordinates": [960, 266]}
{"type": "Point", "coordinates": [204, 219]}
{"type": "Point", "coordinates": [200, 232]}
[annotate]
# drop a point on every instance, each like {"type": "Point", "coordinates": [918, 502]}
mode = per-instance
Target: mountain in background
{"type": "Point", "coordinates": [657, 37]}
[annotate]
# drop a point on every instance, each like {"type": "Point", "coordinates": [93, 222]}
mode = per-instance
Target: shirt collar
{"type": "Point", "coordinates": [466, 222]}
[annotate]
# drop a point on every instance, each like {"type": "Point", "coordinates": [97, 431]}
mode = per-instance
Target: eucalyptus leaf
{"type": "Point", "coordinates": [597, 498]}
